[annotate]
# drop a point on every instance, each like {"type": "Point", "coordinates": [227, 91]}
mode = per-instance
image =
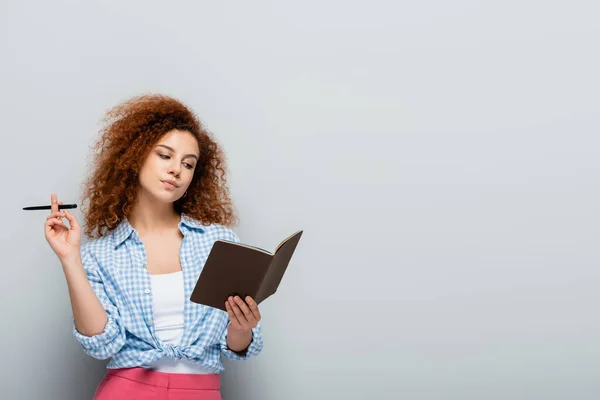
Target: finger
{"type": "Point", "coordinates": [229, 310]}
{"type": "Point", "coordinates": [231, 313]}
{"type": "Point", "coordinates": [56, 219]}
{"type": "Point", "coordinates": [74, 225]}
{"type": "Point", "coordinates": [238, 313]}
{"type": "Point", "coordinates": [48, 225]}
{"type": "Point", "coordinates": [51, 223]}
{"type": "Point", "coordinates": [244, 307]}
{"type": "Point", "coordinates": [58, 214]}
{"type": "Point", "coordinates": [253, 307]}
{"type": "Point", "coordinates": [53, 203]}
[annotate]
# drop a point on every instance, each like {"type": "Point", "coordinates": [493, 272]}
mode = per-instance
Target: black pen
{"type": "Point", "coordinates": [60, 207]}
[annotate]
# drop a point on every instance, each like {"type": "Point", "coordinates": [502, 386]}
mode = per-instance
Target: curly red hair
{"type": "Point", "coordinates": [131, 131]}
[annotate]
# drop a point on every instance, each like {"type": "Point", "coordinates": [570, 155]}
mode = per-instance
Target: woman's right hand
{"type": "Point", "coordinates": [65, 241]}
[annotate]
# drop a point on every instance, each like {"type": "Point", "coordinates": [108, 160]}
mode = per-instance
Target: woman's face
{"type": "Point", "coordinates": [168, 170]}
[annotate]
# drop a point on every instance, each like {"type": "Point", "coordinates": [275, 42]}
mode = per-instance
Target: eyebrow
{"type": "Point", "coordinates": [173, 150]}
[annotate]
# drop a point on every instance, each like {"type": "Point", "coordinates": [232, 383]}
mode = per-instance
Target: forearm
{"type": "Point", "coordinates": [88, 313]}
{"type": "Point", "coordinates": [238, 340]}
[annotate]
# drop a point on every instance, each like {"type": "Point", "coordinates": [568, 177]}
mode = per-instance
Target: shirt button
{"type": "Point", "coordinates": [149, 322]}
{"type": "Point", "coordinates": [147, 291]}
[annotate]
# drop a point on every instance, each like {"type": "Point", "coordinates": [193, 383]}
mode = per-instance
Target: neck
{"type": "Point", "coordinates": [151, 216]}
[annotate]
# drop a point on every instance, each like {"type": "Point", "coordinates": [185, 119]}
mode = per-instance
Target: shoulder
{"type": "Point", "coordinates": [210, 232]}
{"type": "Point", "coordinates": [98, 244]}
{"type": "Point", "coordinates": [96, 249]}
{"type": "Point", "coordinates": [224, 232]}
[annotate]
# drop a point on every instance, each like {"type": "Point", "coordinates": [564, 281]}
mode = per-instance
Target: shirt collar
{"type": "Point", "coordinates": [124, 230]}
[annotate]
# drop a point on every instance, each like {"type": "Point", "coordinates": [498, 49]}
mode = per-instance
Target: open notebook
{"type": "Point", "coordinates": [240, 269]}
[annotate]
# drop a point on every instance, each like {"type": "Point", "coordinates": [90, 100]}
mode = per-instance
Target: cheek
{"type": "Point", "coordinates": [144, 178]}
{"type": "Point", "coordinates": [189, 175]}
{"type": "Point", "coordinates": [149, 171]}
{"type": "Point", "coordinates": [150, 165]}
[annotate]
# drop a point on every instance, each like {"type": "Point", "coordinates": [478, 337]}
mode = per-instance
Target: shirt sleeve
{"type": "Point", "coordinates": [256, 344]}
{"type": "Point", "coordinates": [108, 343]}
{"type": "Point", "coordinates": [253, 349]}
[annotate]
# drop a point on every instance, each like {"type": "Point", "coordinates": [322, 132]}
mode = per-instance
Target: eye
{"type": "Point", "coordinates": [188, 166]}
{"type": "Point", "coordinates": [163, 156]}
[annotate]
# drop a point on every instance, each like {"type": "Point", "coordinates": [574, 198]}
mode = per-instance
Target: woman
{"type": "Point", "coordinates": [158, 200]}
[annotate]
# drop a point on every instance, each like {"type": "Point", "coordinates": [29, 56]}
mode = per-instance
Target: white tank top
{"type": "Point", "coordinates": [168, 301]}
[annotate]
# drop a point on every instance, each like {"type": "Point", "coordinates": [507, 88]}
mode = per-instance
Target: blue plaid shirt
{"type": "Point", "coordinates": [115, 265]}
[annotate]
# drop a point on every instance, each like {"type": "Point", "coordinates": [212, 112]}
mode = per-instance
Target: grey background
{"type": "Point", "coordinates": [442, 158]}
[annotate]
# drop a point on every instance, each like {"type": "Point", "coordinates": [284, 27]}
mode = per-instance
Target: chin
{"type": "Point", "coordinates": [159, 193]}
{"type": "Point", "coordinates": [164, 196]}
{"type": "Point", "coordinates": [168, 197]}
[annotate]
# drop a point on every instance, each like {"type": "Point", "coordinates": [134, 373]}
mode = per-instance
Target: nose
{"type": "Point", "coordinates": [175, 168]}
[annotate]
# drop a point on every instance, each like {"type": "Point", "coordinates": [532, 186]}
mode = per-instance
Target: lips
{"type": "Point", "coordinates": [170, 184]}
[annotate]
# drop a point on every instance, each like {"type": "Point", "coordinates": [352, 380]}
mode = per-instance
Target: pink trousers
{"type": "Point", "coordinates": [144, 384]}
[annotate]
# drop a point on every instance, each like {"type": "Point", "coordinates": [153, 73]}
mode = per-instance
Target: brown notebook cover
{"type": "Point", "coordinates": [238, 269]}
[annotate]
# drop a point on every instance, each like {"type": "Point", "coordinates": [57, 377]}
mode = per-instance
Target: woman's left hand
{"type": "Point", "coordinates": [244, 315]}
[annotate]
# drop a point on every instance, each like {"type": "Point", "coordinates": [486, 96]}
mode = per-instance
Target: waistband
{"type": "Point", "coordinates": [169, 380]}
